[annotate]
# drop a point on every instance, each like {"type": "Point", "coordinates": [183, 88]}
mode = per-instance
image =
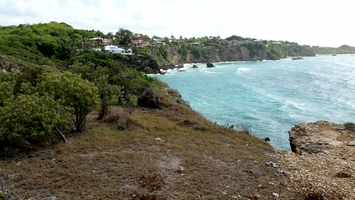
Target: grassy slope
{"type": "Point", "coordinates": [172, 153]}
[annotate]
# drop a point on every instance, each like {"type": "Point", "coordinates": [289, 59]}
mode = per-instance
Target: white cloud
{"type": "Point", "coordinates": [316, 22]}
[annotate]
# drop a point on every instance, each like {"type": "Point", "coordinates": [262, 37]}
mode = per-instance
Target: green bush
{"type": "Point", "coordinates": [31, 119]}
{"type": "Point", "coordinates": [71, 91]}
{"type": "Point", "coordinates": [7, 84]}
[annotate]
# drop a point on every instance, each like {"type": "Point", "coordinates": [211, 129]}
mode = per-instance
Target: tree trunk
{"type": "Point", "coordinates": [104, 109]}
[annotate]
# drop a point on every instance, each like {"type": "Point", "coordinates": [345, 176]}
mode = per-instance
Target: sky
{"type": "Point", "coordinates": [313, 22]}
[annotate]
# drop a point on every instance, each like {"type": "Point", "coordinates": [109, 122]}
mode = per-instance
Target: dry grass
{"type": "Point", "coordinates": [172, 153]}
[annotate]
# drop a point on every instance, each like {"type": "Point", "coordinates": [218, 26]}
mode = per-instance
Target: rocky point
{"type": "Point", "coordinates": [322, 162]}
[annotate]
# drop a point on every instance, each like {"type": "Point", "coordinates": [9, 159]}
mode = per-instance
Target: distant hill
{"type": "Point", "coordinates": [344, 49]}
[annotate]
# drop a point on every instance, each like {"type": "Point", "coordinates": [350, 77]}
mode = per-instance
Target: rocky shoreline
{"type": "Point", "coordinates": [322, 164]}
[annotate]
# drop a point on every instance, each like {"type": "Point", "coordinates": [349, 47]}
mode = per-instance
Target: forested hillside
{"type": "Point", "coordinates": [49, 82]}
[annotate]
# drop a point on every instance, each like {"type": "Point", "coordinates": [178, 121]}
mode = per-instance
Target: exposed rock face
{"type": "Point", "coordinates": [320, 137]}
{"type": "Point", "coordinates": [323, 163]}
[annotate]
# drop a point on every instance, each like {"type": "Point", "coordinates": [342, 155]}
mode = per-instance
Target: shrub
{"type": "Point", "coordinates": [30, 119]}
{"type": "Point", "coordinates": [73, 92]}
{"type": "Point", "coordinates": [7, 84]}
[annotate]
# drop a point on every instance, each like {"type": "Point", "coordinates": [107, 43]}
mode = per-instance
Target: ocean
{"type": "Point", "coordinates": [270, 97]}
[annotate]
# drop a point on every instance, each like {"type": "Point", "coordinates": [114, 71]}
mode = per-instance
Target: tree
{"type": "Point", "coordinates": [102, 78]}
{"type": "Point", "coordinates": [73, 92]}
{"type": "Point", "coordinates": [31, 119]}
{"type": "Point", "coordinates": [124, 37]}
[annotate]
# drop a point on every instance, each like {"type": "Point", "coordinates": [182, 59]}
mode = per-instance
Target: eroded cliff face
{"type": "Point", "coordinates": [226, 51]}
{"type": "Point", "coordinates": [323, 163]}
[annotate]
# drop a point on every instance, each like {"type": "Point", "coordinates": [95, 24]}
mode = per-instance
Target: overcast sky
{"type": "Point", "coordinates": [314, 22]}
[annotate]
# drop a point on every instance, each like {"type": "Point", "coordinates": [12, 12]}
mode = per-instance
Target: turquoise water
{"type": "Point", "coordinates": [270, 97]}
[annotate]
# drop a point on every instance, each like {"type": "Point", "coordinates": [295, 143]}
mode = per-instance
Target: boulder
{"type": "Point", "coordinates": [149, 99]}
{"type": "Point", "coordinates": [194, 66]}
{"type": "Point", "coordinates": [210, 65]}
{"type": "Point", "coordinates": [119, 118]}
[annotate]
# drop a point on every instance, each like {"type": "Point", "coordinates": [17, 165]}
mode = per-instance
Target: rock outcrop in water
{"type": "Point", "coordinates": [210, 65]}
{"type": "Point", "coordinates": [323, 163]}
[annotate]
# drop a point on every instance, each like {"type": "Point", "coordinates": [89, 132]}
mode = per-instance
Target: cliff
{"type": "Point", "coordinates": [323, 162]}
{"type": "Point", "coordinates": [218, 50]}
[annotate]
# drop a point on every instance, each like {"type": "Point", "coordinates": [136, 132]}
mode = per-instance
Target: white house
{"type": "Point", "coordinates": [114, 49]}
{"type": "Point", "coordinates": [118, 50]}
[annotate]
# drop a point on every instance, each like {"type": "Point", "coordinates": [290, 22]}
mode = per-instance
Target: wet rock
{"type": "Point", "coordinates": [194, 66]}
{"type": "Point", "coordinates": [210, 65]}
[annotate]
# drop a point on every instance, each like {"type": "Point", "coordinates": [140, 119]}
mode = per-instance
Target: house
{"type": "Point", "coordinates": [114, 49]}
{"type": "Point", "coordinates": [276, 42]}
{"type": "Point", "coordinates": [107, 41]}
{"type": "Point", "coordinates": [96, 41]}
{"type": "Point", "coordinates": [140, 41]}
{"type": "Point", "coordinates": [158, 41]}
{"type": "Point", "coordinates": [99, 41]}
{"type": "Point", "coordinates": [118, 50]}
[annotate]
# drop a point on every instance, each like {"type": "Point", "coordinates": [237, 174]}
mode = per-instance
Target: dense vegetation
{"type": "Point", "coordinates": [39, 104]}
{"type": "Point", "coordinates": [50, 80]}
